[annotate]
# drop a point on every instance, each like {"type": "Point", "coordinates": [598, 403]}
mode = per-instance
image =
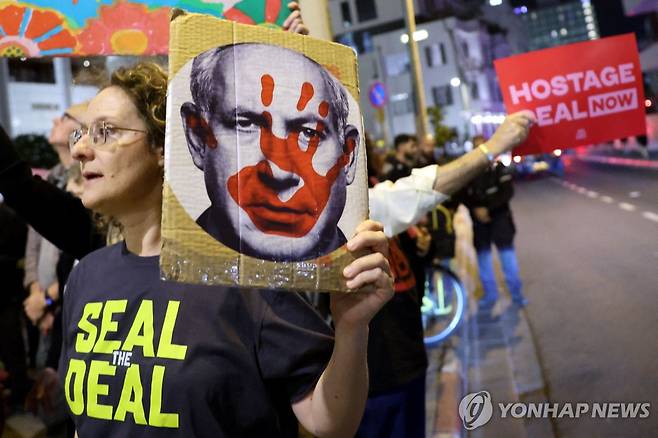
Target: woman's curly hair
{"type": "Point", "coordinates": [146, 84]}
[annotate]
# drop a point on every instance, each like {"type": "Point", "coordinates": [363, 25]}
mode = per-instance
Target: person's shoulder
{"type": "Point", "coordinates": [99, 258]}
{"type": "Point", "coordinates": [89, 264]}
{"type": "Point", "coordinates": [102, 254]}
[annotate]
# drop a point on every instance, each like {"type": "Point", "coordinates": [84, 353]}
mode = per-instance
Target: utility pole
{"type": "Point", "coordinates": [417, 71]}
{"type": "Point", "coordinates": [63, 79]}
{"type": "Point", "coordinates": [316, 17]}
{"type": "Point", "coordinates": [5, 114]}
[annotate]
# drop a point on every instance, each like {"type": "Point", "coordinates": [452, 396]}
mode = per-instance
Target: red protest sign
{"type": "Point", "coordinates": [582, 93]}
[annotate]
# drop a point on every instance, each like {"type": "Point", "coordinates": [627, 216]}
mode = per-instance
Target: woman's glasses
{"type": "Point", "coordinates": [100, 133]}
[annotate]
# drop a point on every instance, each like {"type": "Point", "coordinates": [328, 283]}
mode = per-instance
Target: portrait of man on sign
{"type": "Point", "coordinates": [269, 128]}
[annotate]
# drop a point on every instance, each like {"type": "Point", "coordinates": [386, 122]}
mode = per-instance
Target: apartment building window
{"type": "Point", "coordinates": [366, 10]}
{"type": "Point", "coordinates": [397, 64]}
{"type": "Point", "coordinates": [465, 49]}
{"type": "Point", "coordinates": [475, 90]}
{"type": "Point", "coordinates": [402, 107]}
{"type": "Point", "coordinates": [346, 14]}
{"type": "Point", "coordinates": [442, 95]}
{"type": "Point", "coordinates": [435, 54]}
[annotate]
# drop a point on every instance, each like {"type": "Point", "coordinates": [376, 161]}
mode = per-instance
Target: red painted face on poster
{"type": "Point", "coordinates": [281, 152]}
{"type": "Point", "coordinates": [291, 203]}
{"type": "Point", "coordinates": [582, 93]}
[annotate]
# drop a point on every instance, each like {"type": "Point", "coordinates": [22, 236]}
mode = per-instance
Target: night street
{"type": "Point", "coordinates": [352, 218]}
{"type": "Point", "coordinates": [588, 250]}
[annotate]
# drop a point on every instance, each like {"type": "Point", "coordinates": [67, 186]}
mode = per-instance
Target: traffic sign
{"type": "Point", "coordinates": [377, 95]}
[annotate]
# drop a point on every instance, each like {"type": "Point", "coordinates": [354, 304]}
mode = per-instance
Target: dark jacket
{"type": "Point", "coordinates": [54, 213]}
{"type": "Point", "coordinates": [493, 190]}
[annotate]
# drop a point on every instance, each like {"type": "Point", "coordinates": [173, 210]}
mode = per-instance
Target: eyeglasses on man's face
{"type": "Point", "coordinates": [100, 133]}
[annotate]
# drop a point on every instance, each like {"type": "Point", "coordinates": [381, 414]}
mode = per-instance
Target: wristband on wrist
{"type": "Point", "coordinates": [487, 153]}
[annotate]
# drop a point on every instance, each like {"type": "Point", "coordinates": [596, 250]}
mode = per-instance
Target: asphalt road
{"type": "Point", "coordinates": [588, 251]}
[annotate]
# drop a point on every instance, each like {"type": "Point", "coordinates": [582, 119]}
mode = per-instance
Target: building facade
{"type": "Point", "coordinates": [549, 23]}
{"type": "Point", "coordinates": [39, 90]}
{"type": "Point", "coordinates": [456, 56]}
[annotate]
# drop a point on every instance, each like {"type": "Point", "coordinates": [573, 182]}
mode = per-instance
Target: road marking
{"type": "Point", "coordinates": [634, 195]}
{"type": "Point", "coordinates": [650, 215]}
{"type": "Point", "coordinates": [592, 194]}
{"type": "Point", "coordinates": [626, 206]}
{"type": "Point", "coordinates": [581, 190]}
{"type": "Point", "coordinates": [607, 199]}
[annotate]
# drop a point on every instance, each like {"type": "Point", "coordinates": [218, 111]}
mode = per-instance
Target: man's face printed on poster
{"type": "Point", "coordinates": [268, 127]}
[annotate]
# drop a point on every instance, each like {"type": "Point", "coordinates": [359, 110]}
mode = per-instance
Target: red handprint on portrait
{"type": "Point", "coordinates": [263, 192]}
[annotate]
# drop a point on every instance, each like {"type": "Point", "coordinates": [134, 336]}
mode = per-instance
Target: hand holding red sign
{"type": "Point", "coordinates": [513, 131]}
{"type": "Point", "coordinates": [581, 93]}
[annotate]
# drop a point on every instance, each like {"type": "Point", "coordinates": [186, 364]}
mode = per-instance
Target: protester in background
{"type": "Point", "coordinates": [488, 200]}
{"type": "Point", "coordinates": [406, 154]}
{"type": "Point", "coordinates": [46, 398]}
{"type": "Point", "coordinates": [396, 351]}
{"type": "Point", "coordinates": [41, 256]}
{"type": "Point", "coordinates": [440, 221]}
{"type": "Point", "coordinates": [13, 233]}
{"type": "Point", "coordinates": [426, 152]}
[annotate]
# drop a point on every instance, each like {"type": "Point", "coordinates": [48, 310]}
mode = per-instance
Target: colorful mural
{"type": "Point", "coordinates": [112, 27]}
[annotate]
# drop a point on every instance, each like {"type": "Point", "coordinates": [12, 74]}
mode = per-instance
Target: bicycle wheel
{"type": "Point", "coordinates": [444, 305]}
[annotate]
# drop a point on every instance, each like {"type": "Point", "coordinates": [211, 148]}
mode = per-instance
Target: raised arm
{"type": "Point", "coordinates": [55, 214]}
{"type": "Point", "coordinates": [336, 405]}
{"type": "Point", "coordinates": [401, 204]}
{"type": "Point", "coordinates": [456, 174]}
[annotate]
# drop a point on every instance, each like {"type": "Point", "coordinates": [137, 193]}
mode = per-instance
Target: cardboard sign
{"type": "Point", "coordinates": [113, 27]}
{"type": "Point", "coordinates": [583, 93]}
{"type": "Point", "coordinates": [265, 175]}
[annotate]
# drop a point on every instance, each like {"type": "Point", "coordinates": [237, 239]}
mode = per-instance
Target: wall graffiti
{"type": "Point", "coordinates": [112, 27]}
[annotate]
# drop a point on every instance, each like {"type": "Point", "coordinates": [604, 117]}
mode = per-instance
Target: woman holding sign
{"type": "Point", "coordinates": [133, 359]}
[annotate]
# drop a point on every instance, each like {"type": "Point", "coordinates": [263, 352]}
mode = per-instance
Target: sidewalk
{"type": "Point", "coordinates": [493, 352]}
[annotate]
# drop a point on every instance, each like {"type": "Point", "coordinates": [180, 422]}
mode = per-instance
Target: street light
{"type": "Point", "coordinates": [455, 82]}
{"type": "Point", "coordinates": [419, 35]}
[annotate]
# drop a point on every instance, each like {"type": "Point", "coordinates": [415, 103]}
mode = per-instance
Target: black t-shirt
{"type": "Point", "coordinates": [396, 348]}
{"type": "Point", "coordinates": [146, 357]}
{"type": "Point", "coordinates": [398, 170]}
{"type": "Point", "coordinates": [396, 351]}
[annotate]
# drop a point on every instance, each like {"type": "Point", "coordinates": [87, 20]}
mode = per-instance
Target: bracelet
{"type": "Point", "coordinates": [487, 153]}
